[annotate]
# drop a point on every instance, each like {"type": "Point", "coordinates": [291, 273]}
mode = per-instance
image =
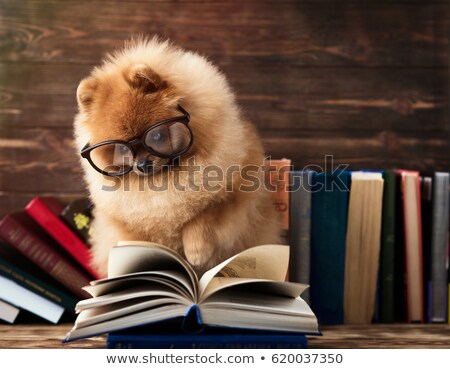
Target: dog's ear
{"type": "Point", "coordinates": [85, 93]}
{"type": "Point", "coordinates": [144, 78]}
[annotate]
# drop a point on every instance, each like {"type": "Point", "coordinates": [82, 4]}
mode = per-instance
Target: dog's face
{"type": "Point", "coordinates": [123, 105]}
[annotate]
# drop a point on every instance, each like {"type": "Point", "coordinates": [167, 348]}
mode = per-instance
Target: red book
{"type": "Point", "coordinates": [412, 223]}
{"type": "Point", "coordinates": [46, 211]}
{"type": "Point", "coordinates": [24, 234]}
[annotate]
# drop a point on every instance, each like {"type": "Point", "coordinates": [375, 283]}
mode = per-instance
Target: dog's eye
{"type": "Point", "coordinates": [123, 149]}
{"type": "Point", "coordinates": [157, 136]}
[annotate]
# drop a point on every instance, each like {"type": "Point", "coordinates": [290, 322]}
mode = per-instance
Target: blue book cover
{"type": "Point", "coordinates": [330, 196]}
{"type": "Point", "coordinates": [209, 338]}
{"type": "Point", "coordinates": [206, 341]}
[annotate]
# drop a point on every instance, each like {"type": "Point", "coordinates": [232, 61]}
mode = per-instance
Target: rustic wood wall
{"type": "Point", "coordinates": [364, 81]}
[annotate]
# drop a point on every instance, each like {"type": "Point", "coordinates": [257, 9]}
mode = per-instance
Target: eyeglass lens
{"type": "Point", "coordinates": [167, 139]}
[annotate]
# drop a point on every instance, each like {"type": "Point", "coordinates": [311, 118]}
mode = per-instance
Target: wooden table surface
{"type": "Point", "coordinates": [367, 336]}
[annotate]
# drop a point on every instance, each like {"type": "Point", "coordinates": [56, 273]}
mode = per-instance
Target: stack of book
{"type": "Point", "coordinates": [372, 245]}
{"type": "Point", "coordinates": [44, 260]}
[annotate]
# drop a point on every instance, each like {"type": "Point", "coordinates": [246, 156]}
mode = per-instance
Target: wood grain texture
{"type": "Point", "coordinates": [301, 33]}
{"type": "Point", "coordinates": [387, 336]}
{"type": "Point", "coordinates": [45, 160]}
{"type": "Point", "coordinates": [334, 337]}
{"type": "Point", "coordinates": [364, 81]}
{"type": "Point", "coordinates": [289, 98]}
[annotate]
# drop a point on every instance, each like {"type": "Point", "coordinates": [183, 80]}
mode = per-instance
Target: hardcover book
{"type": "Point", "coordinates": [278, 185]}
{"type": "Point", "coordinates": [439, 236]}
{"type": "Point", "coordinates": [207, 339]}
{"type": "Point", "coordinates": [20, 231]}
{"type": "Point", "coordinates": [46, 211]}
{"type": "Point", "coordinates": [300, 228]}
{"type": "Point", "coordinates": [400, 257]}
{"type": "Point", "coordinates": [328, 230]}
{"type": "Point", "coordinates": [410, 185]}
{"type": "Point", "coordinates": [78, 216]}
{"type": "Point", "coordinates": [21, 271]}
{"type": "Point", "coordinates": [387, 253]}
{"type": "Point", "coordinates": [149, 283]}
{"type": "Point", "coordinates": [426, 189]}
{"type": "Point", "coordinates": [19, 296]}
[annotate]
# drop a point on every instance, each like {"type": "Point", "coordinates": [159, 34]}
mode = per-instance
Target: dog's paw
{"type": "Point", "coordinates": [198, 247]}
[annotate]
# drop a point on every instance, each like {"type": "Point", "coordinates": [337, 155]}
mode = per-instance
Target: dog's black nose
{"type": "Point", "coordinates": [145, 165]}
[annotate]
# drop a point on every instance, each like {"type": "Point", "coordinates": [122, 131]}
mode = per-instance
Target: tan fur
{"type": "Point", "coordinates": [137, 87]}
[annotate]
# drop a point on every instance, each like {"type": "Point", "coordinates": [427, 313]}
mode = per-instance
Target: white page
{"type": "Point", "coordinates": [268, 262]}
{"type": "Point", "coordinates": [132, 293]}
{"type": "Point", "coordinates": [139, 256]}
{"type": "Point", "coordinates": [258, 302]}
{"type": "Point", "coordinates": [287, 289]}
{"type": "Point", "coordinates": [133, 280]}
{"type": "Point", "coordinates": [259, 320]}
{"type": "Point", "coordinates": [133, 320]}
{"type": "Point", "coordinates": [113, 311]}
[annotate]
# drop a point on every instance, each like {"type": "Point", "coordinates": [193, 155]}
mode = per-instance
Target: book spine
{"type": "Point", "coordinates": [426, 198]}
{"type": "Point", "coordinates": [399, 257]}
{"type": "Point", "coordinates": [35, 285]}
{"type": "Point", "coordinates": [61, 233]}
{"type": "Point", "coordinates": [231, 341]}
{"type": "Point", "coordinates": [439, 247]}
{"type": "Point", "coordinates": [413, 245]}
{"type": "Point", "coordinates": [278, 185]}
{"type": "Point", "coordinates": [386, 305]}
{"type": "Point", "coordinates": [300, 228]}
{"type": "Point", "coordinates": [43, 256]}
{"type": "Point", "coordinates": [25, 299]}
{"type": "Point", "coordinates": [328, 231]}
{"type": "Point", "coordinates": [162, 345]}
{"type": "Point", "coordinates": [78, 217]}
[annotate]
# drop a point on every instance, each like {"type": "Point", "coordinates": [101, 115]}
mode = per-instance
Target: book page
{"type": "Point", "coordinates": [140, 256]}
{"type": "Point", "coordinates": [252, 286]}
{"type": "Point", "coordinates": [241, 299]}
{"type": "Point", "coordinates": [122, 283]}
{"type": "Point", "coordinates": [252, 319]}
{"type": "Point", "coordinates": [119, 309]}
{"type": "Point", "coordinates": [132, 320]}
{"type": "Point", "coordinates": [261, 262]}
{"type": "Point", "coordinates": [150, 292]}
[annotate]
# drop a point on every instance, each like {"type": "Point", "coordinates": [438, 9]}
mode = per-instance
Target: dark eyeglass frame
{"type": "Point", "coordinates": [184, 119]}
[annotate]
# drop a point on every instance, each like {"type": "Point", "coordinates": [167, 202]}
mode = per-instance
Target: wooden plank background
{"type": "Point", "coordinates": [364, 81]}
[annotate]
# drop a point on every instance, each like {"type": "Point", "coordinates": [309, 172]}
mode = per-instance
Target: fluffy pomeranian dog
{"type": "Point", "coordinates": [147, 113]}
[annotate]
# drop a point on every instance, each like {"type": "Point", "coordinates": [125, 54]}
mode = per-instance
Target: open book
{"type": "Point", "coordinates": [149, 283]}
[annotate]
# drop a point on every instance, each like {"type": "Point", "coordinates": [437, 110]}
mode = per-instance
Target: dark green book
{"type": "Point", "coordinates": [15, 267]}
{"type": "Point", "coordinates": [330, 195]}
{"type": "Point", "coordinates": [387, 254]}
